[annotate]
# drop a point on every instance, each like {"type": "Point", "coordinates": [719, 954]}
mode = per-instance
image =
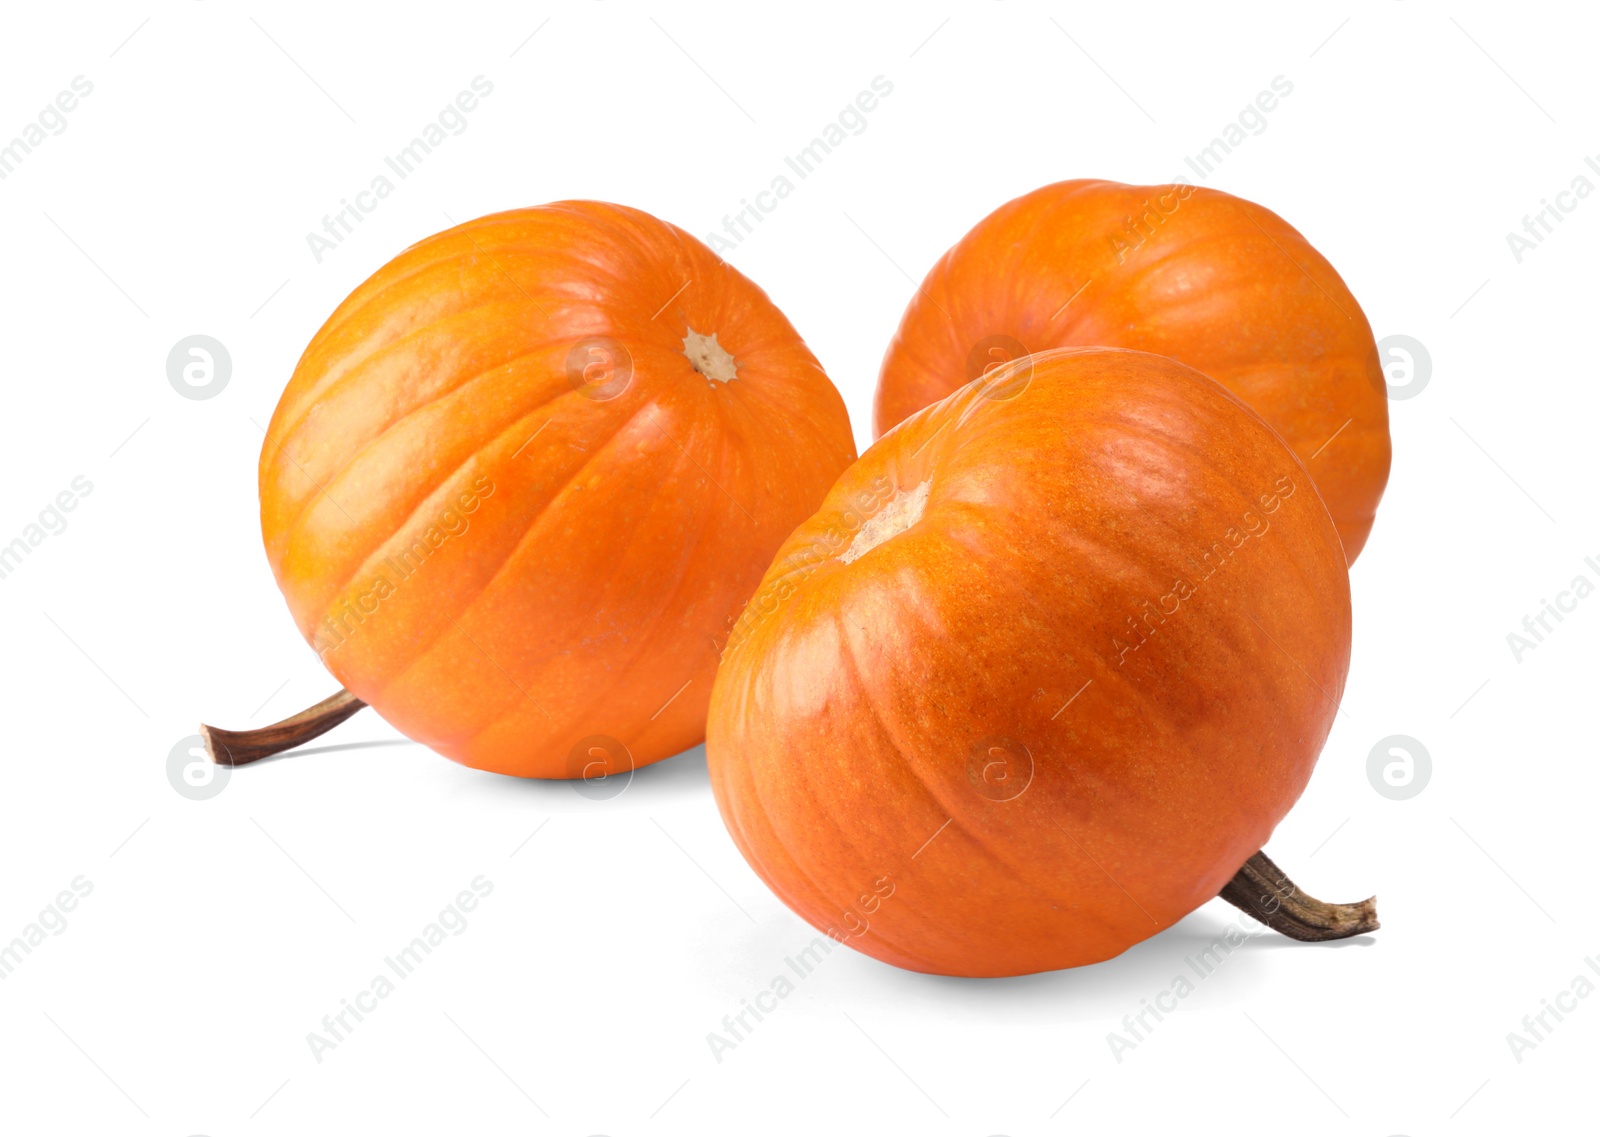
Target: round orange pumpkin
{"type": "Point", "coordinates": [525, 476]}
{"type": "Point", "coordinates": [1044, 671]}
{"type": "Point", "coordinates": [1204, 277]}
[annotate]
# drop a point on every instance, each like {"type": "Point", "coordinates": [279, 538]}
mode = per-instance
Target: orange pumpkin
{"type": "Point", "coordinates": [525, 476]}
{"type": "Point", "coordinates": [1045, 670]}
{"type": "Point", "coordinates": [1206, 278]}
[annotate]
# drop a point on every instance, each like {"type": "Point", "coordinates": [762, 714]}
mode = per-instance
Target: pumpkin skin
{"type": "Point", "coordinates": [1209, 279]}
{"type": "Point", "coordinates": [1060, 710]}
{"type": "Point", "coordinates": [507, 509]}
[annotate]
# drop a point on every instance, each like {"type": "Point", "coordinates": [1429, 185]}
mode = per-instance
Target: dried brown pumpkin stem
{"type": "Point", "coordinates": [239, 747]}
{"type": "Point", "coordinates": [1265, 892]}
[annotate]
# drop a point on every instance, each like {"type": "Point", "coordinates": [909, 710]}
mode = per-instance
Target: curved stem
{"type": "Point", "coordinates": [1265, 892]}
{"type": "Point", "coordinates": [239, 747]}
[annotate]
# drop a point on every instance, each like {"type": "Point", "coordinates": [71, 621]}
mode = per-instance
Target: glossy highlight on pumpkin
{"type": "Point", "coordinates": [1211, 280]}
{"type": "Point", "coordinates": [1052, 659]}
{"type": "Point", "coordinates": [525, 476]}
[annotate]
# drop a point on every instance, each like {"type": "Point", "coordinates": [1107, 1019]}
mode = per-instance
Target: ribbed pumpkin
{"type": "Point", "coordinates": [525, 476]}
{"type": "Point", "coordinates": [1045, 670]}
{"type": "Point", "coordinates": [1204, 277]}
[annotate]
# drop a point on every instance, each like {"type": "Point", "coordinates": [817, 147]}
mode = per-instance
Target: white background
{"type": "Point", "coordinates": [220, 932]}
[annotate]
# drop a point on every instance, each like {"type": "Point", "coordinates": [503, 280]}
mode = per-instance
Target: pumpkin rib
{"type": "Point", "coordinates": [738, 825]}
{"type": "Point", "coordinates": [1019, 250]}
{"type": "Point", "coordinates": [850, 658]}
{"type": "Point", "coordinates": [765, 411]}
{"type": "Point", "coordinates": [363, 569]}
{"type": "Point", "coordinates": [293, 527]}
{"type": "Point", "coordinates": [308, 398]}
{"type": "Point", "coordinates": [607, 219]}
{"type": "Point", "coordinates": [343, 314]}
{"type": "Point", "coordinates": [1157, 255]}
{"type": "Point", "coordinates": [757, 800]}
{"type": "Point", "coordinates": [1129, 556]}
{"type": "Point", "coordinates": [1214, 297]}
{"type": "Point", "coordinates": [616, 276]}
{"type": "Point", "coordinates": [365, 447]}
{"type": "Point", "coordinates": [466, 315]}
{"type": "Point", "coordinates": [757, 352]}
{"type": "Point", "coordinates": [1228, 634]}
{"type": "Point", "coordinates": [536, 521]}
{"type": "Point", "coordinates": [641, 642]}
{"type": "Point", "coordinates": [935, 515]}
{"type": "Point", "coordinates": [354, 375]}
{"type": "Point", "coordinates": [443, 255]}
{"type": "Point", "coordinates": [607, 272]}
{"type": "Point", "coordinates": [1010, 270]}
{"type": "Point", "coordinates": [770, 412]}
{"type": "Point", "coordinates": [1091, 552]}
{"type": "Point", "coordinates": [714, 502]}
{"type": "Point", "coordinates": [919, 349]}
{"type": "Point", "coordinates": [769, 878]}
{"type": "Point", "coordinates": [423, 650]}
{"type": "Point", "coordinates": [1159, 258]}
{"type": "Point", "coordinates": [472, 456]}
{"type": "Point", "coordinates": [1294, 236]}
{"type": "Point", "coordinates": [756, 415]}
{"type": "Point", "coordinates": [626, 242]}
